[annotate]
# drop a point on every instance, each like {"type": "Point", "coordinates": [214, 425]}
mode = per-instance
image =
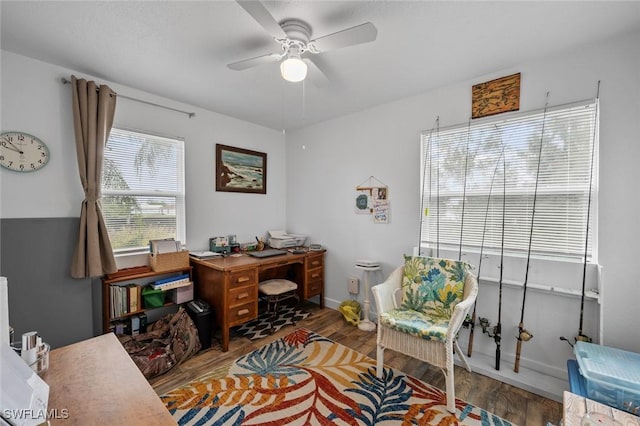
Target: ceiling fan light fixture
{"type": "Point", "coordinates": [293, 69]}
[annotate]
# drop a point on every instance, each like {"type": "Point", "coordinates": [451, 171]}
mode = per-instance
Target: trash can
{"type": "Point", "coordinates": [201, 314]}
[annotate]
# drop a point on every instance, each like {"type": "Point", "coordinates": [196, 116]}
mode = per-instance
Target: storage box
{"type": "Point", "coordinates": [612, 376]}
{"type": "Point", "coordinates": [152, 298]}
{"type": "Point", "coordinates": [182, 294]}
{"type": "Point", "coordinates": [169, 261]}
{"type": "Point", "coordinates": [576, 381]}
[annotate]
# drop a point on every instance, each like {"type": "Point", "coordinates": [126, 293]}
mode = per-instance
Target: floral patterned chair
{"type": "Point", "coordinates": [421, 307]}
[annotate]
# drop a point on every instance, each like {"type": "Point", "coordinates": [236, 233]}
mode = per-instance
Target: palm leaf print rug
{"type": "Point", "coordinates": [306, 379]}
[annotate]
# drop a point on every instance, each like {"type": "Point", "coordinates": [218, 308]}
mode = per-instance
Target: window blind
{"type": "Point", "coordinates": [506, 152]}
{"type": "Point", "coordinates": [142, 189]}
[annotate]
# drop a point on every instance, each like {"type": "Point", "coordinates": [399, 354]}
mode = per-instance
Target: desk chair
{"type": "Point", "coordinates": [277, 290]}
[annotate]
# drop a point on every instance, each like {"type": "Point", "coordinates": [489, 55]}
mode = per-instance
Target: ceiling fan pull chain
{"type": "Point", "coordinates": [304, 98]}
{"type": "Point", "coordinates": [283, 87]}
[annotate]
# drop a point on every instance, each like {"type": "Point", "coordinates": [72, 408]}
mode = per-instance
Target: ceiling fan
{"type": "Point", "coordinates": [294, 37]}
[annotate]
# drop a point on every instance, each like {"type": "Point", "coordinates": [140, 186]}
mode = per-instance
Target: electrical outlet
{"type": "Point", "coordinates": [353, 285]}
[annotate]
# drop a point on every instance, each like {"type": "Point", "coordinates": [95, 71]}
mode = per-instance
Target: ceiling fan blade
{"type": "Point", "coordinates": [253, 62]}
{"type": "Point", "coordinates": [363, 33]}
{"type": "Point", "coordinates": [316, 75]}
{"type": "Point", "coordinates": [263, 17]}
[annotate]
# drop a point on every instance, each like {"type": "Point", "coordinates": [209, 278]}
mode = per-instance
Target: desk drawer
{"type": "Point", "coordinates": [314, 288]}
{"type": "Point", "coordinates": [315, 261]}
{"type": "Point", "coordinates": [243, 278]}
{"type": "Point", "coordinates": [242, 295]}
{"type": "Point", "coordinates": [243, 313]}
{"type": "Point", "coordinates": [315, 275]}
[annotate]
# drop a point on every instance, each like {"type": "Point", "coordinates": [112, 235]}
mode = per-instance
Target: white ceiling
{"type": "Point", "coordinates": [179, 49]}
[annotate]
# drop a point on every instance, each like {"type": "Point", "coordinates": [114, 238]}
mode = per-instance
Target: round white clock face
{"type": "Point", "coordinates": [22, 152]}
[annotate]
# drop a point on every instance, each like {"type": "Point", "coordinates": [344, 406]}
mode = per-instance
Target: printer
{"type": "Point", "coordinates": [283, 240]}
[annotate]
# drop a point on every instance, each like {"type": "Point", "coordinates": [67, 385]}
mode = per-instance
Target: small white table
{"type": "Point", "coordinates": [575, 407]}
{"type": "Point", "coordinates": [366, 324]}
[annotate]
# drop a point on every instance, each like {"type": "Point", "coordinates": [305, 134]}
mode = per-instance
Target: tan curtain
{"type": "Point", "coordinates": [93, 111]}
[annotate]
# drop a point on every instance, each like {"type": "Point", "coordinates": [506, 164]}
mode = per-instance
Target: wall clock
{"type": "Point", "coordinates": [22, 152]}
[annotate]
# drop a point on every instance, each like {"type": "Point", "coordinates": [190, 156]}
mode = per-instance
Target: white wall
{"type": "Point", "coordinates": [35, 101]}
{"type": "Point", "coordinates": [325, 162]}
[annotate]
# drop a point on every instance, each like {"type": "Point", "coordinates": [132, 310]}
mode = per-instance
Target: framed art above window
{"type": "Point", "coordinates": [240, 170]}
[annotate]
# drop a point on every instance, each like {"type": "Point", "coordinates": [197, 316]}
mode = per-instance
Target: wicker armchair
{"type": "Point", "coordinates": [415, 332]}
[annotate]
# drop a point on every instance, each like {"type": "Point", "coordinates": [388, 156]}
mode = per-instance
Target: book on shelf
{"type": "Point", "coordinates": [173, 282]}
{"type": "Point", "coordinates": [134, 325]}
{"type": "Point", "coordinates": [124, 299]}
{"type": "Point", "coordinates": [134, 296]}
{"type": "Point", "coordinates": [173, 285]}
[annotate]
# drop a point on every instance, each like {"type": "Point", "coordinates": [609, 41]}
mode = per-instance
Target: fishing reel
{"type": "Point", "coordinates": [579, 338]}
{"type": "Point", "coordinates": [485, 324]}
{"type": "Point", "coordinates": [468, 322]}
{"type": "Point", "coordinates": [525, 335]}
{"type": "Point", "coordinates": [583, 338]}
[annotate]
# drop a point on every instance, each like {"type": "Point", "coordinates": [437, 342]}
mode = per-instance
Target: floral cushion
{"type": "Point", "coordinates": [433, 286]}
{"type": "Point", "coordinates": [415, 323]}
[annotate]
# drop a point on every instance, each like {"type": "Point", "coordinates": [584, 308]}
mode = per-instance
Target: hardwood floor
{"type": "Point", "coordinates": [513, 404]}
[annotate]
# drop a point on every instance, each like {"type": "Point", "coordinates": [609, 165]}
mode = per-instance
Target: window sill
{"type": "Point", "coordinates": [574, 293]}
{"type": "Point", "coordinates": [544, 273]}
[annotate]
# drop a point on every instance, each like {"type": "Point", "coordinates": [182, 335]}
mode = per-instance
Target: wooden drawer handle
{"type": "Point", "coordinates": [243, 312]}
{"type": "Point", "coordinates": [242, 296]}
{"type": "Point", "coordinates": [242, 279]}
{"type": "Point", "coordinates": [315, 262]}
{"type": "Point", "coordinates": [316, 275]}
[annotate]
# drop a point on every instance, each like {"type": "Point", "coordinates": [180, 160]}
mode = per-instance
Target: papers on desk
{"type": "Point", "coordinates": [204, 254]}
{"type": "Point", "coordinates": [22, 391]}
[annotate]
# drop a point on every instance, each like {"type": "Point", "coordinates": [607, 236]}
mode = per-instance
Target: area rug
{"type": "Point", "coordinates": [260, 327]}
{"type": "Point", "coordinates": [306, 379]}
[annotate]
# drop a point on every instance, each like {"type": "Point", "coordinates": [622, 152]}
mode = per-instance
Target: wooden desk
{"type": "Point", "coordinates": [97, 383]}
{"type": "Point", "coordinates": [575, 407]}
{"type": "Point", "coordinates": [230, 284]}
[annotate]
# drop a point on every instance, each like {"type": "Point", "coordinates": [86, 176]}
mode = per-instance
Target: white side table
{"type": "Point", "coordinates": [366, 324]}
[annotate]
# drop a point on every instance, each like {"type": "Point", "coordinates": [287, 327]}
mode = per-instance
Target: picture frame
{"type": "Point", "coordinates": [240, 170]}
{"type": "Point", "coordinates": [496, 96]}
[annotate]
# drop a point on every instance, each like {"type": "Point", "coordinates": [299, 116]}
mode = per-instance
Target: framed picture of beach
{"type": "Point", "coordinates": [240, 170]}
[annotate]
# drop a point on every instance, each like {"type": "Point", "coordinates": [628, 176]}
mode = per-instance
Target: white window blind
{"type": "Point", "coordinates": [507, 151]}
{"type": "Point", "coordinates": [142, 189]}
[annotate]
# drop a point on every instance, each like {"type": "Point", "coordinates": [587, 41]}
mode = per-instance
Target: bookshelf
{"type": "Point", "coordinates": [140, 279]}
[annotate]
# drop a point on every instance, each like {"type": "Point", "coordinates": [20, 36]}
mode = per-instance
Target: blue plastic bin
{"type": "Point", "coordinates": [611, 376]}
{"type": "Point", "coordinates": [576, 381]}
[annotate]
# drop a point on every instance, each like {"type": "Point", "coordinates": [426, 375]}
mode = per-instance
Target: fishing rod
{"type": "Point", "coordinates": [438, 189]}
{"type": "Point", "coordinates": [464, 189]}
{"type": "Point", "coordinates": [423, 210]}
{"type": "Point", "coordinates": [472, 321]}
{"type": "Point", "coordinates": [497, 333]}
{"type": "Point", "coordinates": [582, 337]}
{"type": "Point", "coordinates": [523, 334]}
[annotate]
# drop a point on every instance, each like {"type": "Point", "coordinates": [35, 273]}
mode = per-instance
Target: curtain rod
{"type": "Point", "coordinates": [190, 114]}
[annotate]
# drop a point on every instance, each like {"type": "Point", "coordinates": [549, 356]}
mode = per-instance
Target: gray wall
{"type": "Point", "coordinates": [36, 259]}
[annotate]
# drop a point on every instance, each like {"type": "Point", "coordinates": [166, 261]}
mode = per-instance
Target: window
{"type": "Point", "coordinates": [502, 157]}
{"type": "Point", "coordinates": [142, 189]}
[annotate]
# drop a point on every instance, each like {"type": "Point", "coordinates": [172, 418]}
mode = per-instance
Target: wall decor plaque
{"type": "Point", "coordinates": [496, 96]}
